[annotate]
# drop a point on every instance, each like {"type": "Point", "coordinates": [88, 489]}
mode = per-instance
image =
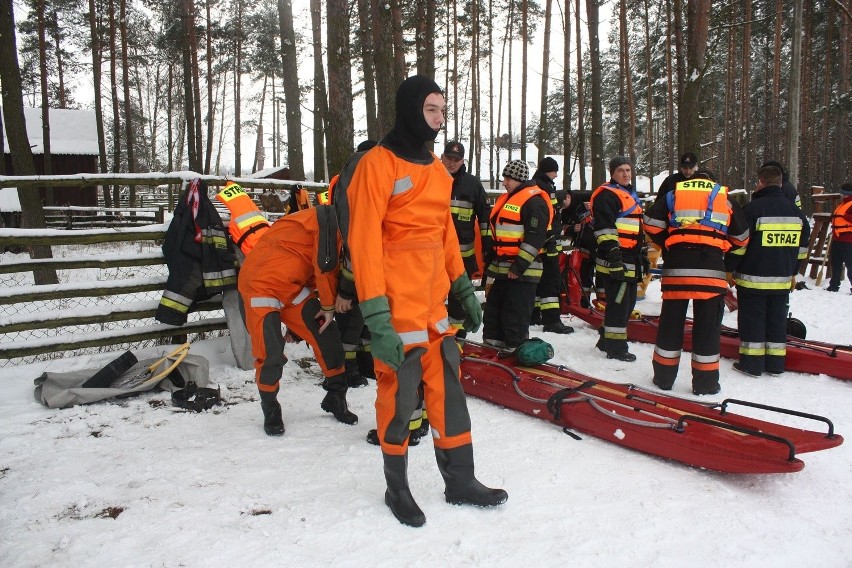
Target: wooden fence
{"type": "Point", "coordinates": [110, 285]}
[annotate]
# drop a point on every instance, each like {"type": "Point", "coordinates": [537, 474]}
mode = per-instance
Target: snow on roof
{"type": "Point", "coordinates": [266, 172]}
{"type": "Point", "coordinates": [71, 132]}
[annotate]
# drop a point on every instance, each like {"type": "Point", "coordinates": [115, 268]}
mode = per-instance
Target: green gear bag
{"type": "Point", "coordinates": [534, 351]}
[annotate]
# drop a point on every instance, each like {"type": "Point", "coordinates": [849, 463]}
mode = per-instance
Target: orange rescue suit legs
{"type": "Point", "coordinates": [264, 326]}
{"type": "Point", "coordinates": [438, 368]}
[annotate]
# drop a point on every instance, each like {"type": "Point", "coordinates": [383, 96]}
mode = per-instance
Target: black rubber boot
{"type": "Point", "coordinates": [398, 496]}
{"type": "Point", "coordinates": [273, 423]}
{"type": "Point", "coordinates": [335, 400]}
{"type": "Point", "coordinates": [373, 438]}
{"type": "Point", "coordinates": [456, 466]}
{"type": "Point", "coordinates": [354, 378]}
{"type": "Point", "coordinates": [365, 364]}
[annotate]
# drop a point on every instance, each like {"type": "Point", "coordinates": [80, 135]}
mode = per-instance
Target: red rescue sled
{"type": "Point", "coordinates": [803, 355]}
{"type": "Point", "coordinates": [691, 432]}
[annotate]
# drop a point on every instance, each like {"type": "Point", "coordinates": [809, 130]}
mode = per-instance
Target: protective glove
{"type": "Point", "coordinates": [464, 292]}
{"type": "Point", "coordinates": [385, 342]}
{"type": "Point", "coordinates": [616, 265]}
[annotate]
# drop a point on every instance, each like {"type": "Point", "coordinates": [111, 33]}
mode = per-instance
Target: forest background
{"type": "Point", "coordinates": [181, 85]}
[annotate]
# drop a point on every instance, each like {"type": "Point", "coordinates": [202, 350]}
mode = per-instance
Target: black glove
{"type": "Point", "coordinates": [616, 266]}
{"type": "Point", "coordinates": [646, 264]}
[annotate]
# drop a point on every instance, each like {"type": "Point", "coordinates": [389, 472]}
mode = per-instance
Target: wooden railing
{"type": "Point", "coordinates": [113, 304]}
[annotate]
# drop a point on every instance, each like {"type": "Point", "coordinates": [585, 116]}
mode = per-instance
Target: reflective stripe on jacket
{"type": "Point", "coordinates": [247, 222]}
{"type": "Point", "coordinates": [628, 223]}
{"type": "Point", "coordinates": [699, 214]}
{"type": "Point", "coordinates": [511, 241]}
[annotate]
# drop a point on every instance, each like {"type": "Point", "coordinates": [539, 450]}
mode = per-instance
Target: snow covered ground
{"type": "Point", "coordinates": [139, 482]}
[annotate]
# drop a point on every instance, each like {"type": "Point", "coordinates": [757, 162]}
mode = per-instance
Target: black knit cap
{"type": "Point", "coordinates": [618, 161]}
{"type": "Point", "coordinates": [410, 122]}
{"type": "Point", "coordinates": [846, 189]}
{"type": "Point", "coordinates": [548, 164]}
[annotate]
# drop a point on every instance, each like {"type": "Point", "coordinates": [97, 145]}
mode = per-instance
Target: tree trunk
{"type": "Point", "coordinates": [368, 68]}
{"type": "Point", "coordinates": [795, 86]}
{"type": "Point", "coordinates": [631, 107]}
{"type": "Point", "coordinates": [689, 123]}
{"type": "Point", "coordinates": [45, 103]}
{"type": "Point", "coordinates": [196, 88]}
{"type": "Point", "coordinates": [238, 80]}
{"type": "Point", "coordinates": [99, 112]}
{"type": "Point", "coordinates": [116, 114]}
{"type": "Point", "coordinates": [188, 99]}
{"type": "Point", "coordinates": [292, 96]}
{"type": "Point", "coordinates": [60, 65]}
{"type": "Point", "coordinates": [581, 127]}
{"type": "Point", "coordinates": [491, 133]}
{"type": "Point", "coordinates": [842, 166]}
{"type": "Point", "coordinates": [670, 130]}
{"type": "Point", "coordinates": [23, 164]}
{"type": "Point", "coordinates": [745, 96]}
{"type": "Point", "coordinates": [320, 102]}
{"type": "Point", "coordinates": [399, 67]}
{"type": "Point", "coordinates": [649, 103]}
{"type": "Point", "coordinates": [680, 59]}
{"type": "Point", "coordinates": [455, 102]}
{"type": "Point", "coordinates": [383, 59]}
{"type": "Point", "coordinates": [599, 173]}
{"type": "Point", "coordinates": [339, 85]}
{"type": "Point", "coordinates": [567, 168]}
{"type": "Point", "coordinates": [545, 69]}
{"type": "Point", "coordinates": [425, 38]}
{"type": "Point", "coordinates": [259, 159]}
{"type": "Point", "coordinates": [211, 106]}
{"type": "Point", "coordinates": [128, 111]}
{"type": "Point", "coordinates": [524, 65]}
{"type": "Point", "coordinates": [774, 124]}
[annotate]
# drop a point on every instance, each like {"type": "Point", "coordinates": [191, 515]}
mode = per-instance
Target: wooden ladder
{"type": "Point", "coordinates": [824, 205]}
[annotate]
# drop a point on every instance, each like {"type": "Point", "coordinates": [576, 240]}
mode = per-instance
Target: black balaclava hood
{"type": "Point", "coordinates": [410, 132]}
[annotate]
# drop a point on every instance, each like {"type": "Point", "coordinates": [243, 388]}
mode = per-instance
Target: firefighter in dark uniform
{"type": "Point", "coordinates": [547, 294]}
{"type": "Point", "coordinates": [470, 210]}
{"type": "Point", "coordinates": [841, 239]}
{"type": "Point", "coordinates": [519, 222]}
{"type": "Point", "coordinates": [694, 226]}
{"type": "Point", "coordinates": [617, 223]}
{"type": "Point", "coordinates": [763, 270]}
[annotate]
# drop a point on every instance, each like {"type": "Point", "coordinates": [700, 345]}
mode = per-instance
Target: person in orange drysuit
{"type": "Point", "coordinates": [406, 259]}
{"type": "Point", "coordinates": [298, 254]}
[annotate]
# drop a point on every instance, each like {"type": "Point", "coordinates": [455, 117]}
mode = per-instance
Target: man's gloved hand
{"type": "Point", "coordinates": [385, 342]}
{"type": "Point", "coordinates": [646, 264]}
{"type": "Point", "coordinates": [464, 292]}
{"type": "Point", "coordinates": [616, 265]}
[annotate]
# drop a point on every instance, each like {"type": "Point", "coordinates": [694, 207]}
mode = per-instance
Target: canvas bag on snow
{"type": "Point", "coordinates": [62, 390]}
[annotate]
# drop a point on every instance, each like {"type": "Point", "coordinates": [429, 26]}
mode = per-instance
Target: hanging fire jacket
{"type": "Point", "coordinates": [200, 260]}
{"type": "Point", "coordinates": [841, 222]}
{"type": "Point", "coordinates": [617, 222]}
{"type": "Point", "coordinates": [471, 211]}
{"type": "Point", "coordinates": [519, 226]}
{"type": "Point", "coordinates": [247, 222]}
{"type": "Point", "coordinates": [695, 225]}
{"type": "Point", "coordinates": [778, 243]}
{"type": "Point", "coordinates": [298, 200]}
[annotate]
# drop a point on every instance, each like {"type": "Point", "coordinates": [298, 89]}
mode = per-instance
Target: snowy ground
{"type": "Point", "coordinates": [141, 483]}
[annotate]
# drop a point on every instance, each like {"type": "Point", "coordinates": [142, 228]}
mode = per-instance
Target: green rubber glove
{"type": "Point", "coordinates": [385, 342]}
{"type": "Point", "coordinates": [463, 290]}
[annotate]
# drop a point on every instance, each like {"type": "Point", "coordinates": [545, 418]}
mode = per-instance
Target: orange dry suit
{"type": "Point", "coordinates": [290, 274]}
{"type": "Point", "coordinates": [247, 222]}
{"type": "Point", "coordinates": [403, 246]}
